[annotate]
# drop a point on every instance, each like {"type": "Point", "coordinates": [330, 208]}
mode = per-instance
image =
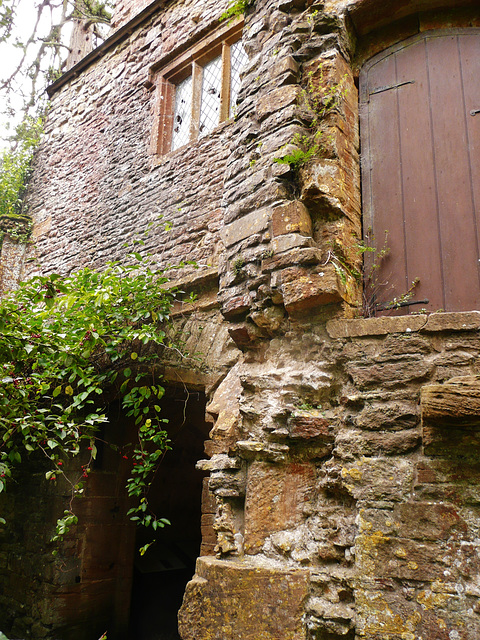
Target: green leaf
{"type": "Point", "coordinates": [127, 372]}
{"type": "Point", "coordinates": [57, 391]}
{"type": "Point", "coordinates": [143, 550]}
{"type": "Point", "coordinates": [14, 456]}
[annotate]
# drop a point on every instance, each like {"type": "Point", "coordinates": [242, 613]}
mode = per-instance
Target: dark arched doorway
{"type": "Point", "coordinates": [160, 575]}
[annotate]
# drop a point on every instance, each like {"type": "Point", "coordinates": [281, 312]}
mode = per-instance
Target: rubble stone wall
{"type": "Point", "coordinates": [96, 186]}
{"type": "Point", "coordinates": [355, 460]}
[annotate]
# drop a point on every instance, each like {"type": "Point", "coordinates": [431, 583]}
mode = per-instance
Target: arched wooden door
{"type": "Point", "coordinates": [420, 136]}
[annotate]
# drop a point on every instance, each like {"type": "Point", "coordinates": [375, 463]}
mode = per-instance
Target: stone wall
{"type": "Point", "coordinates": [355, 464]}
{"type": "Point", "coordinates": [342, 498]}
{"type": "Point", "coordinates": [96, 186]}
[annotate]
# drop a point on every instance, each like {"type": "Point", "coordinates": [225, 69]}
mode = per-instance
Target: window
{"type": "Point", "coordinates": [198, 89]}
{"type": "Point", "coordinates": [420, 129]}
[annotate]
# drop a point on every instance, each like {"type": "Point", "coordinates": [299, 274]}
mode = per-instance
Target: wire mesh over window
{"type": "Point", "coordinates": [211, 87]}
{"type": "Point", "coordinates": [182, 114]}
{"type": "Point", "coordinates": [238, 59]}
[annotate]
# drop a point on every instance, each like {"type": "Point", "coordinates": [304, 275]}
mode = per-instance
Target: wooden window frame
{"type": "Point", "coordinates": [165, 76]}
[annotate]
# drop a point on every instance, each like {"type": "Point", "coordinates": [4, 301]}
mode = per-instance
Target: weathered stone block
{"type": "Point", "coordinates": [372, 480]}
{"type": "Point", "coordinates": [245, 227]}
{"type": "Point", "coordinates": [297, 256]}
{"type": "Point", "coordinates": [291, 217]}
{"type": "Point", "coordinates": [377, 443]}
{"type": "Point", "coordinates": [287, 65]}
{"type": "Point", "coordinates": [331, 187]}
{"type": "Point", "coordinates": [224, 406]}
{"type": "Point", "coordinates": [451, 442]}
{"type": "Point", "coordinates": [290, 241]}
{"type": "Point", "coordinates": [406, 614]}
{"type": "Point", "coordinates": [237, 600]}
{"type": "Point", "coordinates": [454, 321]}
{"type": "Point", "coordinates": [387, 557]}
{"type": "Point", "coordinates": [277, 99]}
{"type": "Point", "coordinates": [456, 402]}
{"type": "Point", "coordinates": [276, 496]}
{"type": "Point", "coordinates": [374, 326]}
{"type": "Point", "coordinates": [304, 426]}
{"type": "Point", "coordinates": [427, 521]}
{"type": "Point", "coordinates": [209, 504]}
{"type": "Point", "coordinates": [236, 306]}
{"type": "Point", "coordinates": [451, 417]}
{"type": "Point", "coordinates": [393, 415]}
{"type": "Point", "coordinates": [244, 334]}
{"type": "Point", "coordinates": [209, 536]}
{"type": "Point", "coordinates": [390, 373]}
{"type": "Point", "coordinates": [303, 290]}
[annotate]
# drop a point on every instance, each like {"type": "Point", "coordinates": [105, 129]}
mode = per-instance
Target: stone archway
{"type": "Point", "coordinates": [371, 15]}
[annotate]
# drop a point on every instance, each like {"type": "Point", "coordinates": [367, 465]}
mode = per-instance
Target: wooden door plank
{"type": "Point", "coordinates": [422, 247]}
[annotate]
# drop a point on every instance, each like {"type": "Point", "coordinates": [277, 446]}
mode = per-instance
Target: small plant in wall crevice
{"type": "Point", "coordinates": [317, 104]}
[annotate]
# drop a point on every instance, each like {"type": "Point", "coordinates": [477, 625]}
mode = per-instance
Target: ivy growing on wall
{"type": "Point", "coordinates": [69, 346]}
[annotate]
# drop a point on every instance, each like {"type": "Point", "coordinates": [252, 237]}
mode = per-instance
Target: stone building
{"type": "Point", "coordinates": [329, 460]}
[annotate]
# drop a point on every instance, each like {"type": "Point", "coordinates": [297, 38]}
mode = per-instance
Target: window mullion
{"type": "Point", "coordinates": [225, 90]}
{"type": "Point", "coordinates": [166, 111]}
{"type": "Point", "coordinates": [197, 75]}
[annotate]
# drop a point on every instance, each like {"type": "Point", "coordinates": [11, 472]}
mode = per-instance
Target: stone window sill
{"type": "Point", "coordinates": [447, 321]}
{"type": "Point", "coordinates": [192, 145]}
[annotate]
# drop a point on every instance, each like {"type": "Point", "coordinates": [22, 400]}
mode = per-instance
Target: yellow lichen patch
{"type": "Point", "coordinates": [412, 565]}
{"type": "Point", "coordinates": [381, 620]}
{"type": "Point", "coordinates": [413, 620]}
{"type": "Point", "coordinates": [378, 537]}
{"type": "Point", "coordinates": [353, 473]}
{"type": "Point", "coordinates": [366, 547]}
{"type": "Point", "coordinates": [400, 552]}
{"type": "Point", "coordinates": [364, 525]}
{"type": "Point", "coordinates": [429, 600]}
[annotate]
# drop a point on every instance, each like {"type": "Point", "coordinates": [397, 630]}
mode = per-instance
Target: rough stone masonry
{"type": "Point", "coordinates": [343, 491]}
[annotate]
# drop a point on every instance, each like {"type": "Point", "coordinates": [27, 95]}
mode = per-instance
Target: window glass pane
{"type": "Point", "coordinates": [182, 114]}
{"type": "Point", "coordinates": [211, 86]}
{"type": "Point", "coordinates": [238, 59]}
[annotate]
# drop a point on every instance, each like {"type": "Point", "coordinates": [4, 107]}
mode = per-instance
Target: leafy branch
{"type": "Point", "coordinates": [44, 51]}
{"type": "Point", "coordinates": [15, 166]}
{"type": "Point", "coordinates": [69, 346]}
